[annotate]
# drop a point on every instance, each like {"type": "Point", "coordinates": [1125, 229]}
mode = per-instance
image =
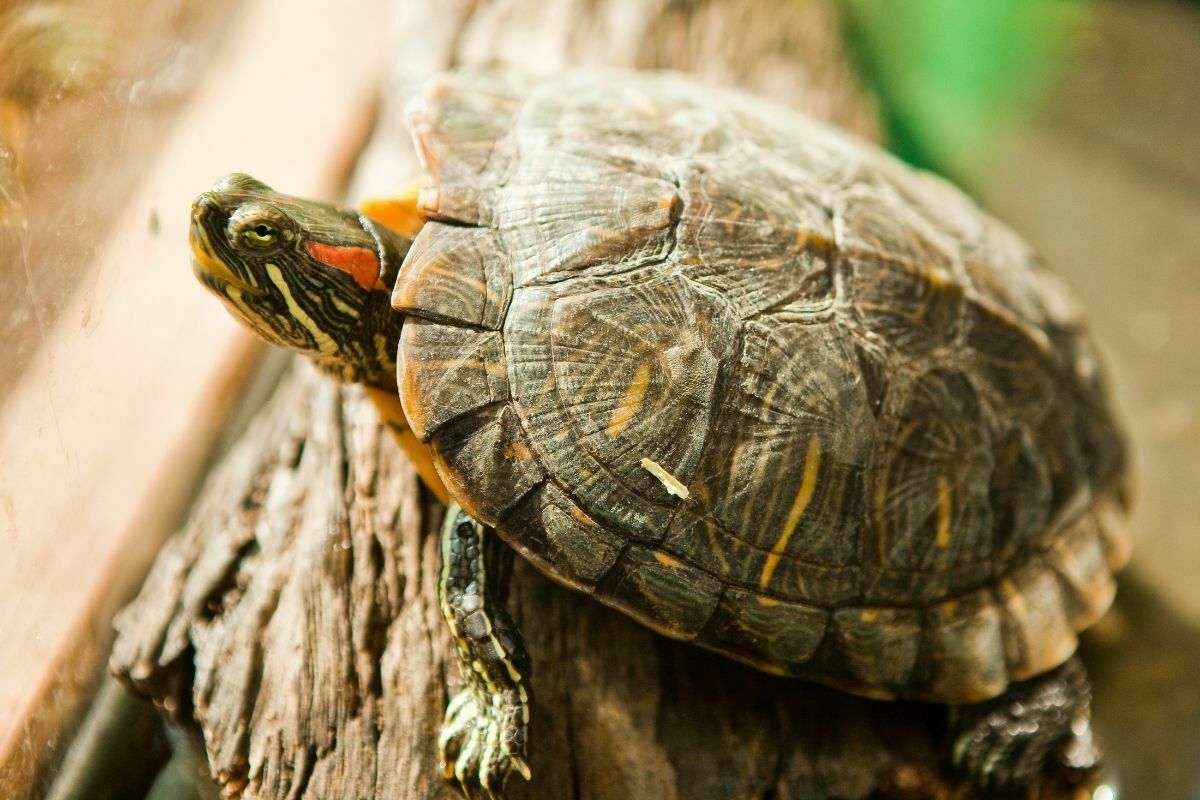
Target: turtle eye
{"type": "Point", "coordinates": [260, 235]}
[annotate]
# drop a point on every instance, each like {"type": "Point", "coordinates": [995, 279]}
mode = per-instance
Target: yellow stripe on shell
{"type": "Point", "coordinates": [624, 413]}
{"type": "Point", "coordinates": [943, 511]}
{"type": "Point", "coordinates": [808, 483]}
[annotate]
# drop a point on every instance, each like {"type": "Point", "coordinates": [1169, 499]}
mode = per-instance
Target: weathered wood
{"type": "Point", "coordinates": [294, 617]}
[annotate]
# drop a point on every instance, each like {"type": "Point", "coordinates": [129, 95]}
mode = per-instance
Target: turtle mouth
{"type": "Point", "coordinates": [214, 273]}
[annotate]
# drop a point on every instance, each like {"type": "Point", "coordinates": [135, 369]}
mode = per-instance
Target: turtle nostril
{"type": "Point", "coordinates": [208, 204]}
{"type": "Point", "coordinates": [201, 205]}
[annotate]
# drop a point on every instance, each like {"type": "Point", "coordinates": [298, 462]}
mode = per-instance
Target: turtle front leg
{"type": "Point", "coordinates": [484, 735]}
{"type": "Point", "coordinates": [1036, 729]}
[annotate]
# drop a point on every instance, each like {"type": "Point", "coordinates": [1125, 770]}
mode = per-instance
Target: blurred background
{"type": "Point", "coordinates": [1079, 124]}
{"type": "Point", "coordinates": [1075, 121]}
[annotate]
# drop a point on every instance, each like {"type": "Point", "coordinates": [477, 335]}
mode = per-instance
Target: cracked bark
{"type": "Point", "coordinates": [294, 618]}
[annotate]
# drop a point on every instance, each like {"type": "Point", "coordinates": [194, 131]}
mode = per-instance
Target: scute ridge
{"type": "Point", "coordinates": [902, 474]}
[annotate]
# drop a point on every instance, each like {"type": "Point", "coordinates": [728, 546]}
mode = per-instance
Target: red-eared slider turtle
{"type": "Point", "coordinates": [732, 371]}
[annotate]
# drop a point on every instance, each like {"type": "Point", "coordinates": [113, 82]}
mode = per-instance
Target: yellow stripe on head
{"type": "Point", "coordinates": [324, 343]}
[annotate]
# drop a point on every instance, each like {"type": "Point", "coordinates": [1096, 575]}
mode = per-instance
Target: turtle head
{"type": "Point", "coordinates": [306, 276]}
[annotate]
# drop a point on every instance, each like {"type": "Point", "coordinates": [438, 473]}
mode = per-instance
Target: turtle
{"type": "Point", "coordinates": [733, 371]}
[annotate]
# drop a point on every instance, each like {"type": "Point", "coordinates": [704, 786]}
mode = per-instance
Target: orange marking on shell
{"type": "Point", "coordinates": [517, 450]}
{"type": "Point", "coordinates": [666, 560]}
{"type": "Point", "coordinates": [357, 262]}
{"type": "Point", "coordinates": [581, 517]}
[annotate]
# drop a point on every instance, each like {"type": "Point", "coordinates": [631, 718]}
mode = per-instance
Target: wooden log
{"type": "Point", "coordinates": [294, 616]}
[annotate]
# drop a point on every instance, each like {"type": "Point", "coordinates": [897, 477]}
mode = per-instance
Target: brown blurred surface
{"type": "Point", "coordinates": [1106, 182]}
{"type": "Point", "coordinates": [81, 156]}
{"type": "Point", "coordinates": [104, 436]}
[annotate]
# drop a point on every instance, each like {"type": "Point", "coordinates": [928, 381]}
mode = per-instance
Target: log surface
{"type": "Point", "coordinates": [294, 616]}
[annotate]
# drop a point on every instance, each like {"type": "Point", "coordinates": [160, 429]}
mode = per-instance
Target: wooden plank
{"type": "Point", "coordinates": [101, 440]}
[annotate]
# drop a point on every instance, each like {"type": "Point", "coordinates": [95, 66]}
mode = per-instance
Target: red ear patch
{"type": "Point", "coordinates": [357, 262]}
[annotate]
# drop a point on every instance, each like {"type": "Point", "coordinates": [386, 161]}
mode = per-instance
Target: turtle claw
{"type": "Point", "coordinates": [480, 747]}
{"type": "Point", "coordinates": [1038, 731]}
{"type": "Point", "coordinates": [484, 735]}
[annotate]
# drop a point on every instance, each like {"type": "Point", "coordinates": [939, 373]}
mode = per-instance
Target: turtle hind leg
{"type": "Point", "coordinates": [1039, 729]}
{"type": "Point", "coordinates": [484, 735]}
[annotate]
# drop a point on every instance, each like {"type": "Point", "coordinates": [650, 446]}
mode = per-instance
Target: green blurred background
{"type": "Point", "coordinates": [953, 75]}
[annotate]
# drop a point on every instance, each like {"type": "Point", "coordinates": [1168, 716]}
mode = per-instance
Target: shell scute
{"type": "Point", "coordinates": [635, 372]}
{"type": "Point", "coordinates": [1077, 557]}
{"type": "Point", "coordinates": [794, 438]}
{"type": "Point", "coordinates": [599, 221]}
{"type": "Point", "coordinates": [456, 275]}
{"type": "Point", "coordinates": [910, 588]}
{"type": "Point", "coordinates": [661, 592]}
{"type": "Point", "coordinates": [879, 646]}
{"type": "Point", "coordinates": [448, 372]}
{"type": "Point", "coordinates": [530, 355]}
{"type": "Point", "coordinates": [963, 658]}
{"type": "Point", "coordinates": [928, 484]}
{"type": "Point", "coordinates": [1114, 532]}
{"type": "Point", "coordinates": [751, 231]}
{"type": "Point", "coordinates": [459, 119]}
{"type": "Point", "coordinates": [1037, 633]}
{"type": "Point", "coordinates": [558, 536]}
{"type": "Point", "coordinates": [901, 277]}
{"type": "Point", "coordinates": [656, 118]}
{"type": "Point", "coordinates": [702, 541]}
{"type": "Point", "coordinates": [765, 631]}
{"type": "Point", "coordinates": [1019, 493]}
{"type": "Point", "coordinates": [1014, 359]}
{"type": "Point", "coordinates": [868, 405]}
{"type": "Point", "coordinates": [486, 462]}
{"type": "Point", "coordinates": [1003, 270]}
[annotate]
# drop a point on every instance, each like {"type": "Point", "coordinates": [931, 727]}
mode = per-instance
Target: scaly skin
{"type": "Point", "coordinates": [318, 279]}
{"type": "Point", "coordinates": [484, 737]}
{"type": "Point", "coordinates": [314, 279]}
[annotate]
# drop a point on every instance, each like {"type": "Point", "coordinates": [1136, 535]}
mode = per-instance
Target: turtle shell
{"type": "Point", "coordinates": [756, 383]}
